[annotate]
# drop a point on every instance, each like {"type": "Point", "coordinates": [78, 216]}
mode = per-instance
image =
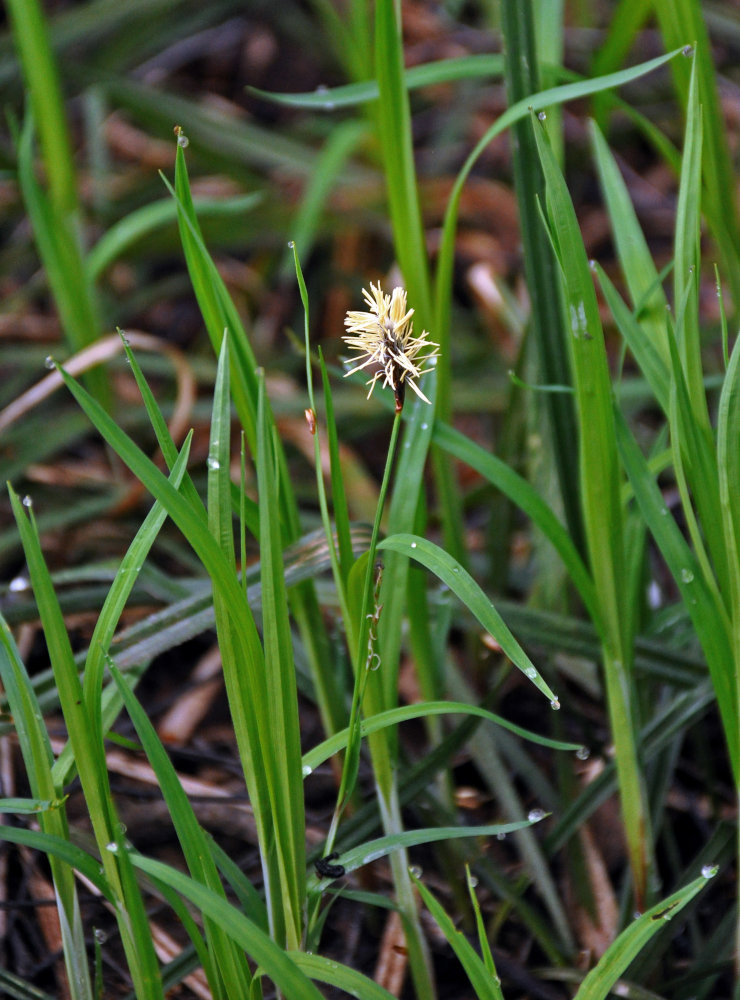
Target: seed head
{"type": "Point", "coordinates": [385, 337]}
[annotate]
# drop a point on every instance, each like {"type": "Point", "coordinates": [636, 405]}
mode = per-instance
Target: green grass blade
{"type": "Point", "coordinates": [624, 25]}
{"type": "Point", "coordinates": [226, 970]}
{"type": "Point", "coordinates": [90, 762]}
{"type": "Point", "coordinates": [524, 496]}
{"type": "Point", "coordinates": [449, 571]}
{"type": "Point", "coordinates": [640, 339]}
{"type": "Point", "coordinates": [599, 982]}
{"type": "Point", "coordinates": [338, 494]}
{"type": "Point", "coordinates": [522, 80]}
{"type": "Point", "coordinates": [242, 656]}
{"type": "Point", "coordinates": [251, 902]}
{"type": "Point", "coordinates": [706, 612]}
{"type": "Point", "coordinates": [470, 67]}
{"type": "Point", "coordinates": [687, 257]}
{"type": "Point", "coordinates": [728, 428]}
{"type": "Point", "coordinates": [57, 240]}
{"type": "Point", "coordinates": [142, 222]}
{"type": "Point", "coordinates": [634, 255]}
{"type": "Point", "coordinates": [38, 759]}
{"type": "Point", "coordinates": [486, 985]}
{"type": "Point", "coordinates": [215, 304]}
{"type": "Point", "coordinates": [281, 725]}
{"type": "Point", "coordinates": [421, 710]}
{"type": "Point", "coordinates": [350, 981]}
{"type": "Point", "coordinates": [220, 314]}
{"type": "Point", "coordinates": [342, 142]}
{"type": "Point", "coordinates": [329, 694]}
{"type": "Point", "coordinates": [62, 848]}
{"type": "Point", "coordinates": [602, 509]}
{"type": "Point", "coordinates": [108, 619]}
{"type": "Point", "coordinates": [395, 137]}
{"type": "Point", "coordinates": [219, 456]}
{"type": "Point", "coordinates": [382, 847]}
{"type": "Point", "coordinates": [269, 956]}
{"type": "Point", "coordinates": [522, 109]}
{"type": "Point", "coordinates": [42, 80]}
{"type": "Point", "coordinates": [682, 22]}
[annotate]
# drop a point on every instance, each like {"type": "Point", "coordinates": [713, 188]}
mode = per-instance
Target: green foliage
{"type": "Point", "coordinates": [391, 591]}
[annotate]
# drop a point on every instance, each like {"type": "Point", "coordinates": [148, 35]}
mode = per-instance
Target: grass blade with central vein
{"type": "Point", "coordinates": [281, 729]}
{"type": "Point", "coordinates": [706, 611]}
{"type": "Point", "coordinates": [602, 510]}
{"type": "Point", "coordinates": [33, 739]}
{"type": "Point", "coordinates": [522, 80]}
{"type": "Point", "coordinates": [682, 23]}
{"type": "Point", "coordinates": [269, 956]}
{"type": "Point", "coordinates": [487, 985]}
{"type": "Point", "coordinates": [599, 982]}
{"type": "Point", "coordinates": [89, 754]}
{"type": "Point", "coordinates": [220, 314]}
{"type": "Point", "coordinates": [227, 972]}
{"type": "Point", "coordinates": [450, 572]}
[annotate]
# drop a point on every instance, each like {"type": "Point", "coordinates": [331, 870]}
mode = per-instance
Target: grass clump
{"type": "Point", "coordinates": [481, 689]}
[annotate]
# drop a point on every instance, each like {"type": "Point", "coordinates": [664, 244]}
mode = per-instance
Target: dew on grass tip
{"type": "Point", "coordinates": [415, 871]}
{"type": "Point", "coordinates": [49, 362]}
{"type": "Point", "coordinates": [555, 704]}
{"type": "Point", "coordinates": [535, 815]}
{"type": "Point", "coordinates": [27, 501]}
{"type": "Point", "coordinates": [687, 50]}
{"type": "Point", "coordinates": [709, 871]}
{"type": "Point", "coordinates": [583, 753]}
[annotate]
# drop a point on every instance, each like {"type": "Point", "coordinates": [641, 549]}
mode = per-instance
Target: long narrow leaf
{"type": "Point", "coordinates": [449, 571]}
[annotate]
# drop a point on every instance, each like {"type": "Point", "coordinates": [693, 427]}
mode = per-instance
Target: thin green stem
{"type": "Point", "coordinates": [362, 654]}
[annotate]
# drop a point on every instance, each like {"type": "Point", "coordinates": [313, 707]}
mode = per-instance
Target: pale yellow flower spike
{"type": "Point", "coordinates": [385, 335]}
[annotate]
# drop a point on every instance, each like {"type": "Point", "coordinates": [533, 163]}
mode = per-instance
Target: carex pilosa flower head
{"type": "Point", "coordinates": [384, 336]}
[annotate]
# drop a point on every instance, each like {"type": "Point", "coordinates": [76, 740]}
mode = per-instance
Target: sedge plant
{"type": "Point", "coordinates": [273, 929]}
